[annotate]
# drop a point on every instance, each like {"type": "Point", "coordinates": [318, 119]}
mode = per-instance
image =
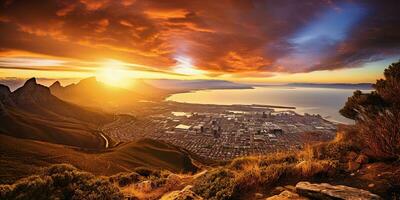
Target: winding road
{"type": "Point", "coordinates": [105, 139]}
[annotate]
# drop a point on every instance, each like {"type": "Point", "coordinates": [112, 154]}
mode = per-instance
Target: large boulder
{"type": "Point", "coordinates": [326, 191]}
{"type": "Point", "coordinates": [184, 194]}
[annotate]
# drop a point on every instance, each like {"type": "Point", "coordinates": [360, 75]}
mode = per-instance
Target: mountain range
{"type": "Point", "coordinates": [91, 93]}
{"type": "Point", "coordinates": [187, 85]}
{"type": "Point", "coordinates": [38, 129]}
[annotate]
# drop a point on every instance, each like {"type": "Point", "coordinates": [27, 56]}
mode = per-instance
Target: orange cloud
{"type": "Point", "coordinates": [219, 36]}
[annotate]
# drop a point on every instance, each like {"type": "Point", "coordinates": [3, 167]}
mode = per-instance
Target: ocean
{"type": "Point", "coordinates": [324, 101]}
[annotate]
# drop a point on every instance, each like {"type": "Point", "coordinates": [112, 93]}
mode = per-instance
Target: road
{"type": "Point", "coordinates": [105, 139]}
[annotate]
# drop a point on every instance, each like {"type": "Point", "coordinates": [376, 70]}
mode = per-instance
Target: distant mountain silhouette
{"type": "Point", "coordinates": [185, 85]}
{"type": "Point", "coordinates": [92, 93]}
{"type": "Point", "coordinates": [360, 86]}
{"type": "Point", "coordinates": [33, 112]}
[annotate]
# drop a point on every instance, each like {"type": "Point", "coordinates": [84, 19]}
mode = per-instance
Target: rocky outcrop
{"type": "Point", "coordinates": [331, 192]}
{"type": "Point", "coordinates": [184, 194]}
{"type": "Point", "coordinates": [321, 191]}
{"type": "Point", "coordinates": [31, 93]}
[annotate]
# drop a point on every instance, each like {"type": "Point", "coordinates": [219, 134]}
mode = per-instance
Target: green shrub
{"type": "Point", "coordinates": [61, 182]}
{"type": "Point", "coordinates": [146, 172]}
{"type": "Point", "coordinates": [215, 185]}
{"type": "Point", "coordinates": [124, 179]}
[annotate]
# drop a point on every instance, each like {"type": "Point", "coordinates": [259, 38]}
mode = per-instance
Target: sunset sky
{"type": "Point", "coordinates": [246, 41]}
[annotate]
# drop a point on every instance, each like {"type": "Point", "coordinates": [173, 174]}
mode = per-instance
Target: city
{"type": "Point", "coordinates": [225, 132]}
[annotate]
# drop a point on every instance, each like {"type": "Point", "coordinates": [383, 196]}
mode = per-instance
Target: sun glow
{"type": "Point", "coordinates": [185, 67]}
{"type": "Point", "coordinates": [114, 72]}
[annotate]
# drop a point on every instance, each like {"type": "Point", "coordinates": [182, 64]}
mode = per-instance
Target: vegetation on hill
{"type": "Point", "coordinates": [21, 157]}
{"type": "Point", "coordinates": [61, 182]}
{"type": "Point", "coordinates": [377, 115]}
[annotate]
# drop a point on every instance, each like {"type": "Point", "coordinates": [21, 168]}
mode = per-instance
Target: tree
{"type": "Point", "coordinates": [389, 88]}
{"type": "Point", "coordinates": [371, 102]}
{"type": "Point", "coordinates": [385, 96]}
{"type": "Point", "coordinates": [377, 116]}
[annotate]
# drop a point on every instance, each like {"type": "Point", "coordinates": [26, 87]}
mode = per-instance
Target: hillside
{"type": "Point", "coordinates": [31, 112]}
{"type": "Point", "coordinates": [22, 157]}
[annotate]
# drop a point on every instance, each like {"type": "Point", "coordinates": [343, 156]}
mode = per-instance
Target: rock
{"type": "Point", "coordinates": [286, 195]}
{"type": "Point", "coordinates": [371, 185]}
{"type": "Point", "coordinates": [353, 166]}
{"type": "Point", "coordinates": [280, 189]}
{"type": "Point", "coordinates": [144, 186]}
{"type": "Point", "coordinates": [184, 194]}
{"type": "Point", "coordinates": [258, 195]}
{"type": "Point", "coordinates": [351, 156]}
{"type": "Point", "coordinates": [362, 159]}
{"type": "Point", "coordinates": [277, 190]}
{"type": "Point", "coordinates": [290, 188]}
{"type": "Point", "coordinates": [326, 191]}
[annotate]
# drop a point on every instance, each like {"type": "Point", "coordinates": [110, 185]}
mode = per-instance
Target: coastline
{"type": "Point", "coordinates": [255, 105]}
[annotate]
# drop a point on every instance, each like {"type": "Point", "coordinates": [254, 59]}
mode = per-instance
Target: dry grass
{"type": "Point", "coordinates": [381, 134]}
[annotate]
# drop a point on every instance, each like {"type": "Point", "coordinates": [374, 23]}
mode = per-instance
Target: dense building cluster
{"type": "Point", "coordinates": [226, 134]}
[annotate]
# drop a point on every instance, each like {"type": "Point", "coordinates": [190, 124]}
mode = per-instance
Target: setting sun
{"type": "Point", "coordinates": [114, 72]}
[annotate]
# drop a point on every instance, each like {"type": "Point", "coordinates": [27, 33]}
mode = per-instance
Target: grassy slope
{"type": "Point", "coordinates": [22, 157]}
{"type": "Point", "coordinates": [55, 130]}
{"type": "Point", "coordinates": [152, 153]}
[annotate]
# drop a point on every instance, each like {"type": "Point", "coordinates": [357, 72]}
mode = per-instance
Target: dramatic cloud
{"type": "Point", "coordinates": [218, 37]}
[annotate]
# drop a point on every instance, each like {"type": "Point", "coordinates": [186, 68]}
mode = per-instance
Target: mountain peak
{"type": "Point", "coordinates": [31, 81]}
{"type": "Point", "coordinates": [31, 92]}
{"type": "Point", "coordinates": [56, 84]}
{"type": "Point", "coordinates": [89, 80]}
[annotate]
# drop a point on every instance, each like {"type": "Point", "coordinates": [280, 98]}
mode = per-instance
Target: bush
{"type": "Point", "coordinates": [248, 178]}
{"type": "Point", "coordinates": [381, 134]}
{"type": "Point", "coordinates": [61, 182]}
{"type": "Point", "coordinates": [146, 172]}
{"type": "Point", "coordinates": [240, 163]}
{"type": "Point", "coordinates": [215, 185]}
{"type": "Point", "coordinates": [124, 179]}
{"type": "Point", "coordinates": [278, 158]}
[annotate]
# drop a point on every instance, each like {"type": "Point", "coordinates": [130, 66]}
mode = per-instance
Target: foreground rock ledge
{"type": "Point", "coordinates": [185, 194]}
{"type": "Point", "coordinates": [327, 191]}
